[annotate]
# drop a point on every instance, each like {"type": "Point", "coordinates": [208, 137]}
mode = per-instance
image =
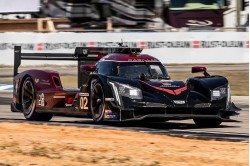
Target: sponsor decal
{"type": "Point", "coordinates": [169, 44]}
{"type": "Point", "coordinates": [58, 97]}
{"type": "Point", "coordinates": [142, 60]}
{"type": "Point", "coordinates": [83, 102]}
{"type": "Point", "coordinates": [84, 51]}
{"type": "Point", "coordinates": [166, 81]}
{"type": "Point", "coordinates": [142, 44]}
{"type": "Point", "coordinates": [25, 46]}
{"type": "Point", "coordinates": [45, 82]}
{"type": "Point", "coordinates": [109, 99]}
{"type": "Point", "coordinates": [199, 23]}
{"type": "Point", "coordinates": [216, 44]}
{"type": "Point", "coordinates": [85, 85]}
{"type": "Point", "coordinates": [83, 94]}
{"type": "Point", "coordinates": [179, 101]}
{"type": "Point", "coordinates": [169, 85]}
{"type": "Point", "coordinates": [41, 100]}
{"type": "Point", "coordinates": [36, 80]}
{"type": "Point", "coordinates": [202, 105]}
{"type": "Point", "coordinates": [68, 105]}
{"type": "Point", "coordinates": [108, 114]}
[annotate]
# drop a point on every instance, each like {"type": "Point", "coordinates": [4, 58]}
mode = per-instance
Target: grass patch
{"type": "Point", "coordinates": [5, 66]}
{"type": "Point", "coordinates": [6, 80]}
{"type": "Point", "coordinates": [239, 80]}
{"type": "Point", "coordinates": [69, 81]}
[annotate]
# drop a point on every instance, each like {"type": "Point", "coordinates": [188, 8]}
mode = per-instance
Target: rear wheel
{"type": "Point", "coordinates": [207, 122]}
{"type": "Point", "coordinates": [97, 103]}
{"type": "Point", "coordinates": [28, 99]}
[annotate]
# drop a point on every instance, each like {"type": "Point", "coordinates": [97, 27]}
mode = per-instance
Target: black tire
{"type": "Point", "coordinates": [207, 122]}
{"type": "Point", "coordinates": [97, 102]}
{"type": "Point", "coordinates": [28, 100]}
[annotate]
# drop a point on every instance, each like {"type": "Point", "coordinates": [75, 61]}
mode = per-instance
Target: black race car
{"type": "Point", "coordinates": [123, 85]}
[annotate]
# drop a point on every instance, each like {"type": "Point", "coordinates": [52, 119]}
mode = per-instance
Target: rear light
{"type": "Point", "coordinates": [69, 100]}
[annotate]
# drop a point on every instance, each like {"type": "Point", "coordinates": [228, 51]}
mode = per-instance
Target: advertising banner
{"type": "Point", "coordinates": [171, 47]}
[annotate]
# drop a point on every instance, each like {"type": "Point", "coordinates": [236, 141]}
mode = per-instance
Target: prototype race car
{"type": "Point", "coordinates": [122, 85]}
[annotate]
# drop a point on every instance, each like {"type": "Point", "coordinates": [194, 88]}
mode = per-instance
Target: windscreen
{"type": "Point", "coordinates": [195, 4]}
{"type": "Point", "coordinates": [148, 69]}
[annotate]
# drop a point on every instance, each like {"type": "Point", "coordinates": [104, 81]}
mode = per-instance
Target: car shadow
{"type": "Point", "coordinates": [136, 125]}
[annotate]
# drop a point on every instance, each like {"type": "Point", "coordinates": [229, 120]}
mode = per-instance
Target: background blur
{"type": "Point", "coordinates": [153, 15]}
{"type": "Point", "coordinates": [180, 33]}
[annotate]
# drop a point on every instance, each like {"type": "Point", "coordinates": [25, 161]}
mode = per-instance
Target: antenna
{"type": "Point", "coordinates": [121, 43]}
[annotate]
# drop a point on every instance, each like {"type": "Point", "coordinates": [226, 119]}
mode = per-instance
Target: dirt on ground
{"type": "Point", "coordinates": [23, 144]}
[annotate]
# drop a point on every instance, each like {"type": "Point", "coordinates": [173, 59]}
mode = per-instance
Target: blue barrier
{"type": "Point", "coordinates": [6, 87]}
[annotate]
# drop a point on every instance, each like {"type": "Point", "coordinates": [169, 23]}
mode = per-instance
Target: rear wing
{"type": "Point", "coordinates": [81, 54]}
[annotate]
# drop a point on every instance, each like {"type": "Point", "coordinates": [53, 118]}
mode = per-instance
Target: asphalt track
{"type": "Point", "coordinates": [228, 131]}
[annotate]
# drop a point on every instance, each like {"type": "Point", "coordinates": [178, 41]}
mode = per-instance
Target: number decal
{"type": "Point", "coordinates": [41, 100]}
{"type": "Point", "coordinates": [84, 103]}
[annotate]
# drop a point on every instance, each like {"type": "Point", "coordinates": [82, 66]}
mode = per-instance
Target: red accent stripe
{"type": "Point", "coordinates": [39, 46]}
{"type": "Point", "coordinates": [92, 44]}
{"type": "Point", "coordinates": [143, 44]}
{"type": "Point", "coordinates": [178, 91]}
{"type": "Point", "coordinates": [196, 44]}
{"type": "Point", "coordinates": [173, 92]}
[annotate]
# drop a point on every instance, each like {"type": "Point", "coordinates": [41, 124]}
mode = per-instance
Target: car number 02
{"type": "Point", "coordinates": [84, 103]}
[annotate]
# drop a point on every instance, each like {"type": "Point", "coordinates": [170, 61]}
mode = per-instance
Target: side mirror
{"type": "Point", "coordinates": [197, 69]}
{"type": "Point", "coordinates": [88, 68]}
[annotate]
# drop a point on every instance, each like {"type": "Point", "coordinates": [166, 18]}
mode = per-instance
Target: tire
{"type": "Point", "coordinates": [207, 122]}
{"type": "Point", "coordinates": [97, 102]}
{"type": "Point", "coordinates": [28, 100]}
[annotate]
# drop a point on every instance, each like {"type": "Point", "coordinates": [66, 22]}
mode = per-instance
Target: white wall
{"type": "Point", "coordinates": [19, 6]}
{"type": "Point", "coordinates": [230, 15]}
{"type": "Point", "coordinates": [174, 47]}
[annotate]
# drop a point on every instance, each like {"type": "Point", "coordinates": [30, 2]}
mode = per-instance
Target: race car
{"type": "Point", "coordinates": [121, 85]}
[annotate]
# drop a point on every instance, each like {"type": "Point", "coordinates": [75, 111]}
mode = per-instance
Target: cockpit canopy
{"type": "Point", "coordinates": [152, 70]}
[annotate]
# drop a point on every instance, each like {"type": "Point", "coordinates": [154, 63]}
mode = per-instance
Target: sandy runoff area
{"type": "Point", "coordinates": [23, 144]}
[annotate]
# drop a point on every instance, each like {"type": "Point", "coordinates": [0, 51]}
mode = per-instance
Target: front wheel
{"type": "Point", "coordinates": [97, 102]}
{"type": "Point", "coordinates": [207, 122]}
{"type": "Point", "coordinates": [28, 99]}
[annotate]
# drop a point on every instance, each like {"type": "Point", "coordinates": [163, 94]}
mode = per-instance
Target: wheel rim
{"type": "Point", "coordinates": [28, 97]}
{"type": "Point", "coordinates": [97, 101]}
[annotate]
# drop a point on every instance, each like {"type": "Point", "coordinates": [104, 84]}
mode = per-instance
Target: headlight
{"type": "Point", "coordinates": [125, 90]}
{"type": "Point", "coordinates": [220, 92]}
